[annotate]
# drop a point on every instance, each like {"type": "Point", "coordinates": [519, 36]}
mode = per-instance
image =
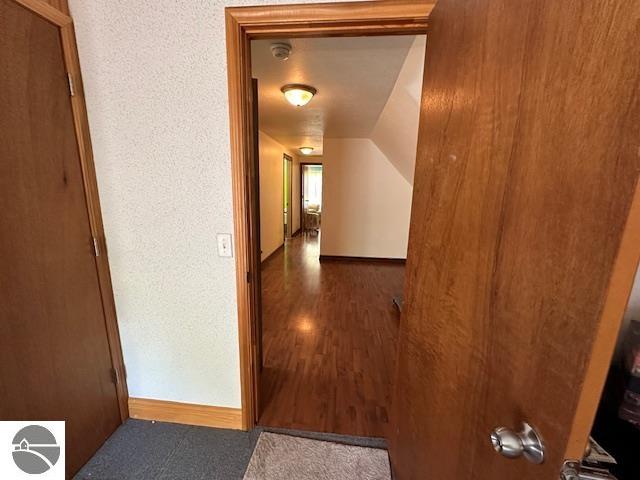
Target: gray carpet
{"type": "Point", "coordinates": [144, 450]}
{"type": "Point", "coordinates": [278, 457]}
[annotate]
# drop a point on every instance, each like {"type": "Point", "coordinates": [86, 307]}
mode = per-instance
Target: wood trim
{"type": "Point", "coordinates": [387, 17]}
{"type": "Point", "coordinates": [288, 179]}
{"type": "Point", "coordinates": [238, 70]}
{"type": "Point", "coordinates": [619, 290]}
{"type": "Point", "coordinates": [81, 123]}
{"type": "Point", "coordinates": [186, 413]}
{"type": "Point", "coordinates": [46, 11]}
{"type": "Point", "coordinates": [345, 258]}
{"type": "Point", "coordinates": [62, 5]}
{"type": "Point", "coordinates": [81, 126]}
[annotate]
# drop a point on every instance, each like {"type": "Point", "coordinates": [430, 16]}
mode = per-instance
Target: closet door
{"type": "Point", "coordinates": [55, 361]}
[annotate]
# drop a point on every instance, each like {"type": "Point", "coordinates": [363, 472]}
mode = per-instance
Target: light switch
{"type": "Point", "coordinates": [224, 245]}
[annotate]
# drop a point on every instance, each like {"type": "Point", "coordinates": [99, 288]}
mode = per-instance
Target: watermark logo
{"type": "Point", "coordinates": [35, 449]}
{"type": "Point", "coordinates": [32, 450]}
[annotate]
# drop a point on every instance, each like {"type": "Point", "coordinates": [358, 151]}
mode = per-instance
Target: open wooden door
{"type": "Point", "coordinates": [524, 235]}
{"type": "Point", "coordinates": [255, 263]}
{"type": "Point", "coordinates": [55, 354]}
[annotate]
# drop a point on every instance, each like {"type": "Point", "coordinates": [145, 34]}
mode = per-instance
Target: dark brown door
{"type": "Point", "coordinates": [255, 260]}
{"type": "Point", "coordinates": [54, 355]}
{"type": "Point", "coordinates": [528, 160]}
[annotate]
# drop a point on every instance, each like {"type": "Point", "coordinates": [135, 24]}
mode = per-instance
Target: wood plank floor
{"type": "Point", "coordinates": [329, 338]}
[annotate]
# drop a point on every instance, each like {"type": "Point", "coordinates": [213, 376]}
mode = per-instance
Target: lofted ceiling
{"type": "Point", "coordinates": [354, 77]}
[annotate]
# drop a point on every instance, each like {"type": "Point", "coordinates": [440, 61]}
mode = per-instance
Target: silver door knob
{"type": "Point", "coordinates": [526, 443]}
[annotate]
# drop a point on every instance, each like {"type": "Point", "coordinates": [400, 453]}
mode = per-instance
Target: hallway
{"type": "Point", "coordinates": [329, 336]}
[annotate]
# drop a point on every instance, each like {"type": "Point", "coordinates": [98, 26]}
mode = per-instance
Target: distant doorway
{"type": "Point", "coordinates": [286, 195]}
{"type": "Point", "coordinates": [311, 188]}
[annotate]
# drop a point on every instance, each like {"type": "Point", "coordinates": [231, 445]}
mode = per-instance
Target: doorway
{"type": "Point", "coordinates": [311, 188]}
{"type": "Point", "coordinates": [243, 25]}
{"type": "Point", "coordinates": [353, 180]}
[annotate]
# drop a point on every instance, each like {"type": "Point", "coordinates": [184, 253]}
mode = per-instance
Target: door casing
{"type": "Point", "coordinates": [57, 16]}
{"type": "Point", "coordinates": [243, 24]}
{"type": "Point", "coordinates": [301, 179]}
{"type": "Point", "coordinates": [287, 193]}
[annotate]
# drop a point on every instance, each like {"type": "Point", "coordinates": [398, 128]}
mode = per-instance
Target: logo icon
{"type": "Point", "coordinates": [35, 449]}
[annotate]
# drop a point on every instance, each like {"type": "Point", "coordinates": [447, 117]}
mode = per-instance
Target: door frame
{"type": "Point", "coordinates": [81, 126]}
{"type": "Point", "coordinates": [287, 181]}
{"type": "Point", "coordinates": [302, 165]}
{"type": "Point", "coordinates": [243, 24]}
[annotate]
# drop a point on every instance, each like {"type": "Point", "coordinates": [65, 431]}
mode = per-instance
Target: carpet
{"type": "Point", "coordinates": [284, 457]}
{"type": "Point", "coordinates": [142, 450]}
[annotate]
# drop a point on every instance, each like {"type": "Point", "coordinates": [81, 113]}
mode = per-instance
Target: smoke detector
{"type": "Point", "coordinates": [281, 50]}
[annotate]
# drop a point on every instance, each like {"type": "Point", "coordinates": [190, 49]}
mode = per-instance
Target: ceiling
{"type": "Point", "coordinates": [354, 77]}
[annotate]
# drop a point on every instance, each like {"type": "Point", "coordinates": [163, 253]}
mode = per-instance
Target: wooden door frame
{"type": "Point", "coordinates": [243, 24]}
{"type": "Point", "coordinates": [288, 178]}
{"type": "Point", "coordinates": [302, 165]}
{"type": "Point", "coordinates": [57, 16]}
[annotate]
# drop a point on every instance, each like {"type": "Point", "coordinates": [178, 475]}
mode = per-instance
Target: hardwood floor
{"type": "Point", "coordinates": [329, 338]}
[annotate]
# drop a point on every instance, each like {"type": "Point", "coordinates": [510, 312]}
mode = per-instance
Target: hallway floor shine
{"type": "Point", "coordinates": [329, 337]}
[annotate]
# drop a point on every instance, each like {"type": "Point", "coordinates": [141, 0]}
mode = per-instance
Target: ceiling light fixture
{"type": "Point", "coordinates": [306, 150]}
{"type": "Point", "coordinates": [297, 94]}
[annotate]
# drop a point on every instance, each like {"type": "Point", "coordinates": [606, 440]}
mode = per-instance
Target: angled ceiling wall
{"type": "Point", "coordinates": [396, 132]}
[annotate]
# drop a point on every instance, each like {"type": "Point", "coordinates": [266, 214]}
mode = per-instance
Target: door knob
{"type": "Point", "coordinates": [526, 443]}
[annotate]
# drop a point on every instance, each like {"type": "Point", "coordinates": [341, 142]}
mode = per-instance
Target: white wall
{"type": "Point", "coordinates": [271, 193]}
{"type": "Point", "coordinates": [156, 86]}
{"type": "Point", "coordinates": [396, 131]}
{"type": "Point", "coordinates": [366, 202]}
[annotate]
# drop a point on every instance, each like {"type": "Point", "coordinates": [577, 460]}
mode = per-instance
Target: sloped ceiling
{"type": "Point", "coordinates": [396, 133]}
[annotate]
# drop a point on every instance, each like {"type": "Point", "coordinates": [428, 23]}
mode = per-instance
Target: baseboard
{"type": "Point", "coordinates": [272, 254]}
{"type": "Point", "coordinates": [341, 258]}
{"type": "Point", "coordinates": [296, 233]}
{"type": "Point", "coordinates": [186, 413]}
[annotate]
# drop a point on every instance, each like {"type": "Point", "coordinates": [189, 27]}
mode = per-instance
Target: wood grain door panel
{"type": "Point", "coordinates": [528, 160]}
{"type": "Point", "coordinates": [55, 359]}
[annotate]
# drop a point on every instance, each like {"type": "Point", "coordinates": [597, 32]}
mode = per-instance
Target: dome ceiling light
{"type": "Point", "coordinates": [297, 94]}
{"type": "Point", "coordinates": [306, 150]}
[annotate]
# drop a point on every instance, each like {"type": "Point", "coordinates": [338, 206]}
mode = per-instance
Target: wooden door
{"type": "Point", "coordinates": [255, 274]}
{"type": "Point", "coordinates": [528, 159]}
{"type": "Point", "coordinates": [55, 362]}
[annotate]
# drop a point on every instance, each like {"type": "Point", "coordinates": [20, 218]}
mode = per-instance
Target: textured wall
{"type": "Point", "coordinates": [156, 86]}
